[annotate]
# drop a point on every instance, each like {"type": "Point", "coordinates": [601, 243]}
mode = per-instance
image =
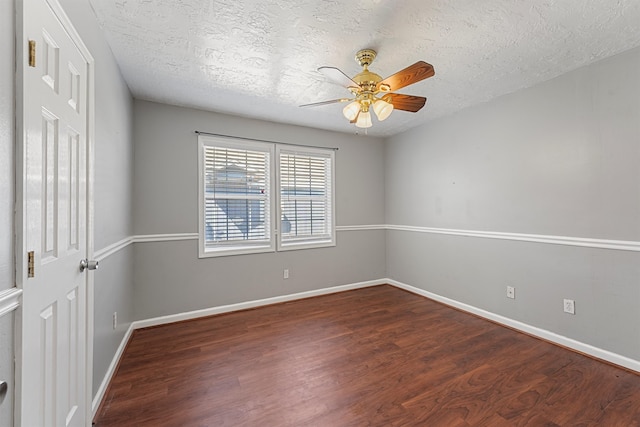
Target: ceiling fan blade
{"type": "Point", "coordinates": [410, 75]}
{"type": "Point", "coordinates": [405, 102]}
{"type": "Point", "coordinates": [333, 101]}
{"type": "Point", "coordinates": [337, 76]}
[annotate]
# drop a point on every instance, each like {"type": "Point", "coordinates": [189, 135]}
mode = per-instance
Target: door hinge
{"type": "Point", "coordinates": [32, 53]}
{"type": "Point", "coordinates": [30, 264]}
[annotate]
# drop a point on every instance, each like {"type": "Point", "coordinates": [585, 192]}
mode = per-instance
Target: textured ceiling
{"type": "Point", "coordinates": [259, 58]}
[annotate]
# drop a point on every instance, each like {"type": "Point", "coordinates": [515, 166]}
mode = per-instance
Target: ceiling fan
{"type": "Point", "coordinates": [372, 92]}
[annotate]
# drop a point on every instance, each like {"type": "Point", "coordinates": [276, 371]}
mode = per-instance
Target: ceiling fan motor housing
{"type": "Point", "coordinates": [365, 57]}
{"type": "Point", "coordinates": [367, 80]}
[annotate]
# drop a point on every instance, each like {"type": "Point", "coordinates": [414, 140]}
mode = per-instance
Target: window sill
{"type": "Point", "coordinates": [233, 250]}
{"type": "Point", "coordinates": [306, 245]}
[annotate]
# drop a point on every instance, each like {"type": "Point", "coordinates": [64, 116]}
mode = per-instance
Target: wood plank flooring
{"type": "Point", "coordinates": [378, 356]}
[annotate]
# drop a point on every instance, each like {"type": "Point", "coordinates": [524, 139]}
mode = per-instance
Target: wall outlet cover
{"type": "Point", "coordinates": [511, 292]}
{"type": "Point", "coordinates": [569, 306]}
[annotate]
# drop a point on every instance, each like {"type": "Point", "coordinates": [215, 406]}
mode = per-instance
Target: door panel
{"type": "Point", "coordinates": [53, 365]}
{"type": "Point", "coordinates": [46, 408]}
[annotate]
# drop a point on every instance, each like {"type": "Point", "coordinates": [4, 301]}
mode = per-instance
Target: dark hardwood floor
{"type": "Point", "coordinates": [378, 356]}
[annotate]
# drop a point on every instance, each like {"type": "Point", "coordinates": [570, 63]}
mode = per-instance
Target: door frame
{"type": "Point", "coordinates": [22, 55]}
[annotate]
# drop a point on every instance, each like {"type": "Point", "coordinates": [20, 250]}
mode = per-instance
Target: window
{"type": "Point", "coordinates": [243, 190]}
{"type": "Point", "coordinates": [306, 197]}
{"type": "Point", "coordinates": [235, 187]}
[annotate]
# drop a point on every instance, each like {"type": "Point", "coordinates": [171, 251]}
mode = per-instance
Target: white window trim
{"type": "Point", "coordinates": [232, 248]}
{"type": "Point", "coordinates": [275, 242]}
{"type": "Point", "coordinates": [317, 243]}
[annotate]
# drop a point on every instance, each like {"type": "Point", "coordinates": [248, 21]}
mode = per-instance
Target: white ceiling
{"type": "Point", "coordinates": [259, 58]}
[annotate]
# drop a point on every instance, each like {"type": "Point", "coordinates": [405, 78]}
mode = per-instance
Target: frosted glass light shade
{"type": "Point", "coordinates": [364, 120]}
{"type": "Point", "coordinates": [382, 109]}
{"type": "Point", "coordinates": [351, 110]}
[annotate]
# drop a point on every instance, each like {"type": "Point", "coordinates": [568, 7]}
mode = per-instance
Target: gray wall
{"type": "Point", "coordinates": [113, 293]}
{"type": "Point", "coordinates": [112, 188]}
{"type": "Point", "coordinates": [7, 37]}
{"type": "Point", "coordinates": [169, 278]}
{"type": "Point", "coordinates": [561, 158]}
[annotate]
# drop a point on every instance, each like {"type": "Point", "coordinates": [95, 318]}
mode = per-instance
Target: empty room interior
{"type": "Point", "coordinates": [319, 213]}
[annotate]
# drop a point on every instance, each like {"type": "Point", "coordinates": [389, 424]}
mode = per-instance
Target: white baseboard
{"type": "Point", "coordinates": [110, 372]}
{"type": "Point", "coordinates": [520, 326]}
{"type": "Point", "coordinates": [250, 304]}
{"type": "Point", "coordinates": [581, 347]}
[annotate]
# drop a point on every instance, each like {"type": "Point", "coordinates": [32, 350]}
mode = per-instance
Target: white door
{"type": "Point", "coordinates": [52, 118]}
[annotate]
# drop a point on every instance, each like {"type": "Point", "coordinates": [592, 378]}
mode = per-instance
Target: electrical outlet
{"type": "Point", "coordinates": [115, 319]}
{"type": "Point", "coordinates": [286, 273]}
{"type": "Point", "coordinates": [511, 292]}
{"type": "Point", "coordinates": [569, 306]}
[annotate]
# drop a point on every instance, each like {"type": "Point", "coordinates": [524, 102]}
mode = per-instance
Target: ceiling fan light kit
{"type": "Point", "coordinates": [351, 110]}
{"type": "Point", "coordinates": [370, 91]}
{"type": "Point", "coordinates": [364, 119]}
{"type": "Point", "coordinates": [383, 109]}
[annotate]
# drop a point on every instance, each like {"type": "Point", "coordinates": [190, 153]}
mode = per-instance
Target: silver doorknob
{"type": "Point", "coordinates": [85, 264]}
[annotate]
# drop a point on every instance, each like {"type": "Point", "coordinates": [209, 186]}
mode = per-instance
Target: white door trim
{"type": "Point", "coordinates": [20, 182]}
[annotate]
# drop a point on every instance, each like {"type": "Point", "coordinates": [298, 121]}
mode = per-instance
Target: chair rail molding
{"type": "Point", "coordinates": [112, 249]}
{"type": "Point", "coordinates": [164, 237]}
{"type": "Point", "coordinates": [9, 300]}
{"type": "Point", "coordinates": [620, 245]}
